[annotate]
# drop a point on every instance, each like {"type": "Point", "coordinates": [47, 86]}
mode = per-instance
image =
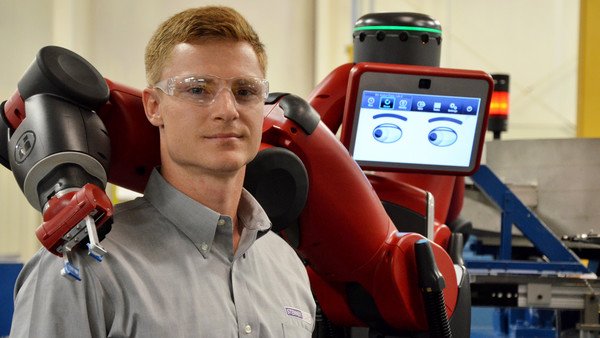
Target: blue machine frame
{"type": "Point", "coordinates": [513, 211]}
{"type": "Point", "coordinates": [8, 276]}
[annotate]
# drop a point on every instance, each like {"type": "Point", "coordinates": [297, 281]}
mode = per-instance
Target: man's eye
{"type": "Point", "coordinates": [246, 91]}
{"type": "Point", "coordinates": [196, 90]}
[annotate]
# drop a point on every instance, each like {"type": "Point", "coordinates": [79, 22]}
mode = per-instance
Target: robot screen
{"type": "Point", "coordinates": [414, 118]}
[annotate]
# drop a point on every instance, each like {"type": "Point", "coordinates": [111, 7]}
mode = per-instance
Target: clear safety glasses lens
{"type": "Point", "coordinates": [203, 89]}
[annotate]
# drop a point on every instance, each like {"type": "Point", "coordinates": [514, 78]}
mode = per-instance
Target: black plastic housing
{"type": "Point", "coordinates": [61, 72]}
{"type": "Point", "coordinates": [55, 133]}
{"type": "Point", "coordinates": [398, 38]}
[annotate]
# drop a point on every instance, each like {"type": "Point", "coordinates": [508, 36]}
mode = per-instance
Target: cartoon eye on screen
{"type": "Point", "coordinates": [444, 136]}
{"type": "Point", "coordinates": [394, 123]}
{"type": "Point", "coordinates": [388, 132]}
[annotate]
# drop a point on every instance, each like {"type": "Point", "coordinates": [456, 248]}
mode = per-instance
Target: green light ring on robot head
{"type": "Point", "coordinates": [399, 28]}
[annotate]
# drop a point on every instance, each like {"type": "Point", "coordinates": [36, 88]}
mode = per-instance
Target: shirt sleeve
{"type": "Point", "coordinates": [49, 305]}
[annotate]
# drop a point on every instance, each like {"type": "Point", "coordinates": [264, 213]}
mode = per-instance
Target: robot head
{"type": "Point", "coordinates": [401, 38]}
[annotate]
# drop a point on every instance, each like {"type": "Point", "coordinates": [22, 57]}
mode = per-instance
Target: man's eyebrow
{"type": "Point", "coordinates": [449, 119]}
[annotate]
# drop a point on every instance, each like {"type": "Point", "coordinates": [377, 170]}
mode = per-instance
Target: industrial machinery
{"type": "Point", "coordinates": [67, 131]}
{"type": "Point", "coordinates": [539, 283]}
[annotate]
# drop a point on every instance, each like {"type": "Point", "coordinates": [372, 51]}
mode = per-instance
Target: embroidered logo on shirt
{"type": "Point", "coordinates": [304, 316]}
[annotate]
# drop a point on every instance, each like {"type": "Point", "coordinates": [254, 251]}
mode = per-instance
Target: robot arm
{"type": "Point", "coordinates": [62, 174]}
{"type": "Point", "coordinates": [362, 270]}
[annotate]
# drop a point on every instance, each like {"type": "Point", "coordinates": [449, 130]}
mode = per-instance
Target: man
{"type": "Point", "coordinates": [194, 257]}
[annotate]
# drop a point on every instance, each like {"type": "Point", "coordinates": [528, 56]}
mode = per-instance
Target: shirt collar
{"type": "Point", "coordinates": [198, 222]}
{"type": "Point", "coordinates": [253, 218]}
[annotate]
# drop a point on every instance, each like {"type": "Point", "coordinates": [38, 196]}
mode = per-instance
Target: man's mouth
{"type": "Point", "coordinates": [224, 136]}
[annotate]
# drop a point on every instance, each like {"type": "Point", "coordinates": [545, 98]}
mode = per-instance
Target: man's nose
{"type": "Point", "coordinates": [225, 104]}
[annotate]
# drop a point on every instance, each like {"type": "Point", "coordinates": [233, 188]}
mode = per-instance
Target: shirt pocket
{"type": "Point", "coordinates": [295, 331]}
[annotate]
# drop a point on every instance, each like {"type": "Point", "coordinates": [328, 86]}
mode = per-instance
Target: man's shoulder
{"type": "Point", "coordinates": [275, 246]}
{"type": "Point", "coordinates": [42, 259]}
{"type": "Point", "coordinates": [129, 221]}
{"type": "Point", "coordinates": [44, 268]}
{"type": "Point", "coordinates": [273, 239]}
{"type": "Point", "coordinates": [132, 217]}
{"type": "Point", "coordinates": [131, 206]}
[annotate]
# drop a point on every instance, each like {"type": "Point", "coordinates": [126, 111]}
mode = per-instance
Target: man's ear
{"type": "Point", "coordinates": [151, 107]}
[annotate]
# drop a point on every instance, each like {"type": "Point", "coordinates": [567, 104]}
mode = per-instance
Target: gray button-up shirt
{"type": "Point", "coordinates": [171, 271]}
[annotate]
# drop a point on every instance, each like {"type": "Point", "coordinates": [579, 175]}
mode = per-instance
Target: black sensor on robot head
{"type": "Point", "coordinates": [398, 38]}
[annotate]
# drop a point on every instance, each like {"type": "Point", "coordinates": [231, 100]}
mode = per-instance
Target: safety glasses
{"type": "Point", "coordinates": [204, 89]}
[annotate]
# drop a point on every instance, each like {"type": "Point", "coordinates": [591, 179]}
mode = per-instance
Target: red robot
{"type": "Point", "coordinates": [409, 39]}
{"type": "Point", "coordinates": [67, 131]}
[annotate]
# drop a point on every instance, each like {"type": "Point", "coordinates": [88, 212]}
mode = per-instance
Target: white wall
{"type": "Point", "coordinates": [21, 35]}
{"type": "Point", "coordinates": [535, 41]}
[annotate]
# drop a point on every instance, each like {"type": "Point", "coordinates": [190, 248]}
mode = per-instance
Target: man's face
{"type": "Point", "coordinates": [218, 138]}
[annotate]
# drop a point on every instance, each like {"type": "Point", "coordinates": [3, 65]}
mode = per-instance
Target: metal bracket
{"type": "Point", "coordinates": [539, 295]}
{"type": "Point", "coordinates": [514, 212]}
{"type": "Point", "coordinates": [589, 323]}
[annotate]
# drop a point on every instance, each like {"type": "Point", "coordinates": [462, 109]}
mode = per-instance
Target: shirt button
{"type": "Point", "coordinates": [248, 329]}
{"type": "Point", "coordinates": [221, 222]}
{"type": "Point", "coordinates": [203, 246]}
